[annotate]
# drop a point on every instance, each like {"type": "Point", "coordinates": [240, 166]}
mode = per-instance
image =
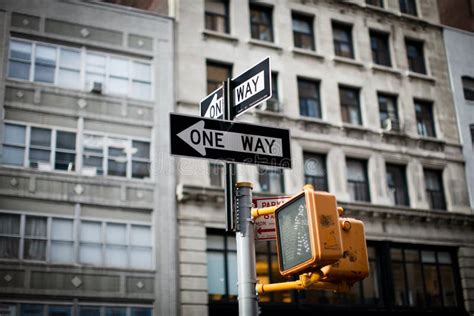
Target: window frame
{"type": "Point", "coordinates": [348, 28]}
{"type": "Point", "coordinates": [314, 180]}
{"type": "Point", "coordinates": [404, 188]}
{"type": "Point", "coordinates": [392, 115]}
{"type": "Point", "coordinates": [377, 54]}
{"type": "Point", "coordinates": [365, 183]}
{"type": "Point", "coordinates": [306, 18]}
{"type": "Point", "coordinates": [213, 15]}
{"type": "Point", "coordinates": [407, 8]}
{"type": "Point", "coordinates": [263, 9]}
{"type": "Point", "coordinates": [264, 176]}
{"type": "Point", "coordinates": [83, 53]}
{"type": "Point", "coordinates": [211, 84]}
{"type": "Point", "coordinates": [468, 92]}
{"type": "Point", "coordinates": [416, 65]}
{"type": "Point", "coordinates": [317, 84]}
{"type": "Point", "coordinates": [346, 107]}
{"type": "Point", "coordinates": [438, 173]}
{"type": "Point", "coordinates": [76, 222]}
{"type": "Point", "coordinates": [218, 175]}
{"type": "Point", "coordinates": [425, 120]}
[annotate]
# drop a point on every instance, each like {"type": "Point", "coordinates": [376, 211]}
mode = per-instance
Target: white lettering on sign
{"type": "Point", "coordinates": [200, 138]}
{"type": "Point", "coordinates": [215, 108]}
{"type": "Point", "coordinates": [249, 88]}
{"type": "Point", "coordinates": [265, 225]}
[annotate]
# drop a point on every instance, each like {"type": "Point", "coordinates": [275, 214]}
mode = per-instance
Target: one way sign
{"type": "Point", "coordinates": [193, 136]}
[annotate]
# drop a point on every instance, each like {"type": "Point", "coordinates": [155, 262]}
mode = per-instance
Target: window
{"type": "Point", "coordinates": [27, 237]}
{"type": "Point", "coordinates": [380, 48]}
{"type": "Point", "coordinates": [62, 66]}
{"type": "Point", "coordinates": [273, 104]}
{"type": "Point", "coordinates": [350, 107]}
{"type": "Point", "coordinates": [261, 23]}
{"type": "Point", "coordinates": [216, 74]}
{"type": "Point", "coordinates": [315, 172]}
{"type": "Point", "coordinates": [221, 267]}
{"type": "Point", "coordinates": [303, 36]}
{"type": "Point", "coordinates": [472, 135]}
{"type": "Point", "coordinates": [217, 15]}
{"type": "Point", "coordinates": [112, 156]}
{"type": "Point", "coordinates": [375, 3]}
{"type": "Point", "coordinates": [423, 277]}
{"type": "Point", "coordinates": [271, 179]}
{"type": "Point", "coordinates": [308, 93]}
{"type": "Point", "coordinates": [434, 189]}
{"type": "Point", "coordinates": [415, 56]}
{"type": "Point", "coordinates": [342, 36]}
{"type": "Point", "coordinates": [397, 184]}
{"type": "Point", "coordinates": [82, 309]}
{"type": "Point", "coordinates": [106, 244]}
{"type": "Point", "coordinates": [41, 153]}
{"type": "Point", "coordinates": [357, 181]}
{"type": "Point", "coordinates": [408, 7]}
{"type": "Point", "coordinates": [468, 88]}
{"type": "Point", "coordinates": [388, 112]}
{"type": "Point", "coordinates": [216, 174]}
{"type": "Point", "coordinates": [424, 118]}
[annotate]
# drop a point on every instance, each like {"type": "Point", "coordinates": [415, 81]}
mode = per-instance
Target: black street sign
{"type": "Point", "coordinates": [212, 106]}
{"type": "Point", "coordinates": [194, 136]}
{"type": "Point", "coordinates": [250, 88]}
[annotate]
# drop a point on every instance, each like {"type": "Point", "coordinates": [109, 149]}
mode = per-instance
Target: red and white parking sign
{"type": "Point", "coordinates": [265, 225]}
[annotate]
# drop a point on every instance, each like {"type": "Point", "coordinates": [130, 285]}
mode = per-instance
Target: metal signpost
{"type": "Point", "coordinates": [213, 135]}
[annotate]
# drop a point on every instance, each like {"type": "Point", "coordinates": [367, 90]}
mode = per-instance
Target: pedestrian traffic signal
{"type": "Point", "coordinates": [354, 264]}
{"type": "Point", "coordinates": [308, 232]}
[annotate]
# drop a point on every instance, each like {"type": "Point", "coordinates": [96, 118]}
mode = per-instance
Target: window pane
{"type": "Point", "coordinates": [140, 258]}
{"type": "Point", "coordinates": [70, 58]}
{"type": "Point", "coordinates": [20, 50]}
{"type": "Point", "coordinates": [90, 232]}
{"type": "Point", "coordinates": [66, 140]}
{"type": "Point", "coordinates": [432, 285]}
{"type": "Point", "coordinates": [314, 166]}
{"type": "Point", "coordinates": [115, 311]}
{"type": "Point", "coordinates": [90, 78]}
{"type": "Point", "coordinates": [215, 6]}
{"type": "Point", "coordinates": [38, 155]}
{"type": "Point", "coordinates": [444, 257]}
{"type": "Point", "coordinates": [117, 85]}
{"type": "Point", "coordinates": [399, 284]}
{"type": "Point", "coordinates": [13, 155]}
{"type": "Point", "coordinates": [45, 55]}
{"type": "Point", "coordinates": [140, 235]}
{"type": "Point", "coordinates": [301, 25]}
{"type": "Point", "coordinates": [141, 311]}
{"type": "Point", "coordinates": [44, 73]}
{"type": "Point", "coordinates": [9, 224]}
{"type": "Point", "coordinates": [141, 71]}
{"type": "Point", "coordinates": [62, 229]}
{"type": "Point", "coordinates": [90, 254]}
{"type": "Point", "coordinates": [231, 243]}
{"type": "Point", "coordinates": [40, 137]}
{"type": "Point", "coordinates": [9, 247]}
{"type": "Point", "coordinates": [116, 256]}
{"type": "Point", "coordinates": [31, 310]}
{"type": "Point", "coordinates": [141, 90]}
{"type": "Point", "coordinates": [355, 170]}
{"type": "Point", "coordinates": [35, 226]}
{"type": "Point", "coordinates": [95, 63]}
{"type": "Point", "coordinates": [447, 283]}
{"type": "Point", "coordinates": [89, 311]}
{"type": "Point", "coordinates": [142, 149]}
{"type": "Point", "coordinates": [19, 70]}
{"type": "Point", "coordinates": [428, 257]}
{"type": "Point", "coordinates": [65, 161]}
{"type": "Point", "coordinates": [116, 234]}
{"type": "Point", "coordinates": [118, 67]}
{"type": "Point", "coordinates": [117, 168]}
{"type": "Point", "coordinates": [69, 78]}
{"type": "Point", "coordinates": [215, 273]}
{"type": "Point", "coordinates": [370, 285]}
{"type": "Point", "coordinates": [415, 284]}
{"type": "Point", "coordinates": [232, 272]}
{"type": "Point", "coordinates": [35, 249]}
{"type": "Point", "coordinates": [62, 251]}
{"type": "Point", "coordinates": [215, 242]}
{"type": "Point", "coordinates": [59, 310]}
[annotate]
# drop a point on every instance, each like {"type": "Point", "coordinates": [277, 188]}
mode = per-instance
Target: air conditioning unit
{"type": "Point", "coordinates": [95, 87]}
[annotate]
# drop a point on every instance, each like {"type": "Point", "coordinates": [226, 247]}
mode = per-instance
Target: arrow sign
{"type": "Point", "coordinates": [212, 106]}
{"type": "Point", "coordinates": [193, 136]}
{"type": "Point", "coordinates": [250, 88]}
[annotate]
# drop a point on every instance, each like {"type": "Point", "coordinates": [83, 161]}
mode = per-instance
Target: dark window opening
{"type": "Point", "coordinates": [415, 56]}
{"type": "Point", "coordinates": [315, 172]}
{"type": "Point", "coordinates": [397, 184]}
{"type": "Point", "coordinates": [342, 37]}
{"type": "Point", "coordinates": [375, 3]}
{"type": "Point", "coordinates": [380, 48]}
{"type": "Point", "coordinates": [434, 189]}
{"type": "Point", "coordinates": [271, 179]}
{"type": "Point", "coordinates": [261, 23]}
{"type": "Point", "coordinates": [388, 112]}
{"type": "Point", "coordinates": [309, 100]}
{"type": "Point", "coordinates": [408, 7]}
{"type": "Point", "coordinates": [350, 105]}
{"type": "Point", "coordinates": [424, 118]}
{"type": "Point", "coordinates": [303, 36]}
{"type": "Point", "coordinates": [217, 15]}
{"type": "Point", "coordinates": [216, 74]}
{"type": "Point", "coordinates": [468, 88]}
{"type": "Point", "coordinates": [357, 180]}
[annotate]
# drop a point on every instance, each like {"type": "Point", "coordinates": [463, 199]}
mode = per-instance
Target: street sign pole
{"type": "Point", "coordinates": [246, 263]}
{"type": "Point", "coordinates": [230, 168]}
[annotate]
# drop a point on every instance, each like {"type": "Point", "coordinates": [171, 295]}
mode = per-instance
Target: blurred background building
{"type": "Point", "coordinates": [97, 218]}
{"type": "Point", "coordinates": [86, 218]}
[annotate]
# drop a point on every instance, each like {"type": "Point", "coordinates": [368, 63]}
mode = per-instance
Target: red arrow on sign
{"type": "Point", "coordinates": [260, 230]}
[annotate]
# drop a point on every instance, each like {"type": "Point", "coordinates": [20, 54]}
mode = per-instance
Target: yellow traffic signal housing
{"type": "Point", "coordinates": [308, 232]}
{"type": "Point", "coordinates": [354, 265]}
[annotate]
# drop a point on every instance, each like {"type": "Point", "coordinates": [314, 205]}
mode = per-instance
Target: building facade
{"type": "Point", "coordinates": [364, 88]}
{"type": "Point", "coordinates": [87, 221]}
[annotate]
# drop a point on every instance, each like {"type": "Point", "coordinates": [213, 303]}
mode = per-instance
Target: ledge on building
{"type": "Point", "coordinates": [218, 35]}
{"type": "Point", "coordinates": [431, 143]}
{"type": "Point", "coordinates": [348, 61]}
{"type": "Point", "coordinates": [270, 45]}
{"type": "Point", "coordinates": [197, 193]}
{"type": "Point", "coordinates": [385, 69]}
{"type": "Point", "coordinates": [307, 52]}
{"type": "Point", "coordinates": [424, 77]}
